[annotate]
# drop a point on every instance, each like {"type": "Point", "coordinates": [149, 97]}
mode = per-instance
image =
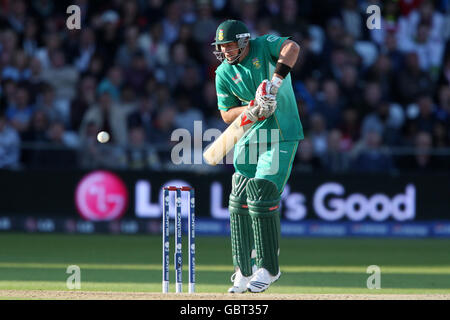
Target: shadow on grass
{"type": "Point", "coordinates": [299, 279]}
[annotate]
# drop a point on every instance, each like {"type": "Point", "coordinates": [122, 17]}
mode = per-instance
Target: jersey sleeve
{"type": "Point", "coordinates": [225, 99]}
{"type": "Point", "coordinates": [273, 44]}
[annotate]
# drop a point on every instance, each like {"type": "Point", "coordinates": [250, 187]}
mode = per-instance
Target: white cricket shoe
{"type": "Point", "coordinates": [239, 282]}
{"type": "Point", "coordinates": [261, 280]}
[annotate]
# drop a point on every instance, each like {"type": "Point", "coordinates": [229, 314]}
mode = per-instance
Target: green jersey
{"type": "Point", "coordinates": [236, 85]}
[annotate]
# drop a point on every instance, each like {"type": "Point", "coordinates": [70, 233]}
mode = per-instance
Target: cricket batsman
{"type": "Point", "coordinates": [254, 79]}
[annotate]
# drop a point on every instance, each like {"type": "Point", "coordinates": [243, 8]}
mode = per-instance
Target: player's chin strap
{"type": "Point", "coordinates": [242, 43]}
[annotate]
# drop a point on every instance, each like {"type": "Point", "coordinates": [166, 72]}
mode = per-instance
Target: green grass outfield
{"type": "Point", "coordinates": [127, 263]}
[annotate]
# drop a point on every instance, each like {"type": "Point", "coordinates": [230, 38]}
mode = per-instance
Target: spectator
{"type": "Point", "coordinates": [52, 42]}
{"type": "Point", "coordinates": [130, 14]}
{"type": "Point", "coordinates": [390, 48]}
{"type": "Point", "coordinates": [20, 111]}
{"type": "Point", "coordinates": [154, 47]}
{"type": "Point", "coordinates": [209, 107]}
{"type": "Point", "coordinates": [137, 74]}
{"type": "Point", "coordinates": [37, 131]}
{"type": "Point", "coordinates": [330, 106]}
{"type": "Point", "coordinates": [53, 111]}
{"type": "Point", "coordinates": [441, 135]}
{"type": "Point", "coordinates": [193, 47]}
{"type": "Point", "coordinates": [31, 38]}
{"type": "Point", "coordinates": [138, 154]}
{"type": "Point", "coordinates": [61, 77]}
{"type": "Point", "coordinates": [35, 83]}
{"type": "Point", "coordinates": [389, 23]}
{"type": "Point", "coordinates": [108, 117]}
{"type": "Point", "coordinates": [58, 135]}
{"type": "Point", "coordinates": [163, 95]}
{"type": "Point", "coordinates": [8, 42]}
{"type": "Point", "coordinates": [164, 126]}
{"type": "Point", "coordinates": [271, 8]}
{"type": "Point", "coordinates": [353, 20]}
{"type": "Point", "coordinates": [96, 68]}
{"type": "Point", "coordinates": [86, 49]}
{"type": "Point", "coordinates": [371, 99]}
{"type": "Point", "coordinates": [422, 160]}
{"type": "Point", "coordinates": [190, 83]}
{"type": "Point", "coordinates": [248, 14]}
{"type": "Point", "coordinates": [422, 115]}
{"type": "Point", "coordinates": [335, 160]}
{"type": "Point", "coordinates": [128, 98]}
{"type": "Point", "coordinates": [130, 47]}
{"type": "Point", "coordinates": [424, 14]}
{"type": "Point", "coordinates": [333, 39]}
{"type": "Point", "coordinates": [370, 156]}
{"type": "Point", "coordinates": [107, 37]}
{"type": "Point", "coordinates": [443, 109]}
{"type": "Point", "coordinates": [307, 92]}
{"type": "Point", "coordinates": [338, 60]}
{"type": "Point", "coordinates": [7, 93]}
{"type": "Point", "coordinates": [179, 61]}
{"type": "Point", "coordinates": [112, 83]}
{"type": "Point", "coordinates": [205, 25]}
{"type": "Point", "coordinates": [171, 22]}
{"type": "Point", "coordinates": [19, 70]}
{"type": "Point", "coordinates": [428, 50]}
{"type": "Point", "coordinates": [350, 128]}
{"type": "Point", "coordinates": [382, 73]}
{"type": "Point", "coordinates": [444, 77]}
{"type": "Point", "coordinates": [264, 26]}
{"type": "Point", "coordinates": [9, 144]}
{"type": "Point", "coordinates": [187, 113]}
{"type": "Point", "coordinates": [16, 17]}
{"type": "Point", "coordinates": [306, 160]}
{"type": "Point", "coordinates": [289, 23]}
{"type": "Point", "coordinates": [383, 120]}
{"type": "Point", "coordinates": [407, 6]}
{"type": "Point", "coordinates": [93, 154]}
{"type": "Point", "coordinates": [84, 99]}
{"type": "Point", "coordinates": [143, 117]}
{"type": "Point", "coordinates": [154, 10]}
{"type": "Point", "coordinates": [349, 85]}
{"type": "Point", "coordinates": [147, 64]}
{"type": "Point", "coordinates": [412, 81]}
{"type": "Point", "coordinates": [318, 134]}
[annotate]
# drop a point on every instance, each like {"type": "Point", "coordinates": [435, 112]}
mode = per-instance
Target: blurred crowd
{"type": "Point", "coordinates": [369, 99]}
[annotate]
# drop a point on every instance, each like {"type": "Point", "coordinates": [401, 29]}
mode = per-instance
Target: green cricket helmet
{"type": "Point", "coordinates": [231, 31]}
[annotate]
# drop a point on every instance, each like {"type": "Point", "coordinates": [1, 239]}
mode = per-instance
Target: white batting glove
{"type": "Point", "coordinates": [253, 111]}
{"type": "Point", "coordinates": [274, 85]}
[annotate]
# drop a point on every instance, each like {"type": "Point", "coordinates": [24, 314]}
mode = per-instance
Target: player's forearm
{"type": "Point", "coordinates": [230, 115]}
{"type": "Point", "coordinates": [288, 55]}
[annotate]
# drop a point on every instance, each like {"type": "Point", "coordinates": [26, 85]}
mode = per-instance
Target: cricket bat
{"type": "Point", "coordinates": [226, 141]}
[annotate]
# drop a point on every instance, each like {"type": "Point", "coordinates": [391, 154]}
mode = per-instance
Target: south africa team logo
{"type": "Point", "coordinates": [220, 35]}
{"type": "Point", "coordinates": [256, 63]}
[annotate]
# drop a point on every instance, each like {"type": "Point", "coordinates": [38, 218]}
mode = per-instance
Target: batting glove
{"type": "Point", "coordinates": [253, 112]}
